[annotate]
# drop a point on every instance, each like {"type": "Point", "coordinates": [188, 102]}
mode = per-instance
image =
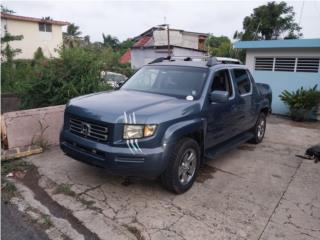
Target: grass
{"type": "Point", "coordinates": [46, 221]}
{"type": "Point", "coordinates": [8, 190]}
{"type": "Point", "coordinates": [64, 189]}
{"type": "Point", "coordinates": [14, 165]}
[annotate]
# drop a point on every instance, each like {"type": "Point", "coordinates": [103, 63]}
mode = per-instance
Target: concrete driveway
{"type": "Point", "coordinates": [254, 192]}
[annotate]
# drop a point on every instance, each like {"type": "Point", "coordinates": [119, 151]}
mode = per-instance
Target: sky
{"type": "Point", "coordinates": [125, 19]}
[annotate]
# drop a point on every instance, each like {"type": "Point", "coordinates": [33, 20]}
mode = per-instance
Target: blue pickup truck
{"type": "Point", "coordinates": [167, 119]}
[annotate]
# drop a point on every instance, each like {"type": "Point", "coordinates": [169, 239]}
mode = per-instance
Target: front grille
{"type": "Point", "coordinates": [88, 130]}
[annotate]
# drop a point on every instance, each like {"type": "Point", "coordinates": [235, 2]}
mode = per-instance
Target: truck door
{"type": "Point", "coordinates": [243, 88]}
{"type": "Point", "coordinates": [222, 117]}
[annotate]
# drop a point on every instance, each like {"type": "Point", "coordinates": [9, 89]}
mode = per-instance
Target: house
{"type": "Point", "coordinates": [153, 44]}
{"type": "Point", "coordinates": [284, 65]}
{"type": "Point", "coordinates": [37, 32]}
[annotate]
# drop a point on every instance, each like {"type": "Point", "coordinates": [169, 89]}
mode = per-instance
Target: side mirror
{"type": "Point", "coordinates": [219, 96]}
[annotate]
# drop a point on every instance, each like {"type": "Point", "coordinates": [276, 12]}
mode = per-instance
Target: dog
{"type": "Point", "coordinates": [312, 153]}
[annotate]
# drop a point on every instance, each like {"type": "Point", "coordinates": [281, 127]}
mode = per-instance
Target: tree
{"type": "Point", "coordinates": [110, 41]}
{"type": "Point", "coordinates": [222, 47]}
{"type": "Point", "coordinates": [38, 54]}
{"type": "Point", "coordinates": [73, 30]}
{"type": "Point", "coordinates": [271, 21]}
{"type": "Point", "coordinates": [123, 46]}
{"type": "Point", "coordinates": [72, 38]}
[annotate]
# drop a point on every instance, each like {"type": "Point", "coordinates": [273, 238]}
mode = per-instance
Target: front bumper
{"type": "Point", "coordinates": [149, 162]}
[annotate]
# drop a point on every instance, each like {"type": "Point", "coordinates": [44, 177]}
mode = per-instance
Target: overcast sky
{"type": "Point", "coordinates": [125, 19]}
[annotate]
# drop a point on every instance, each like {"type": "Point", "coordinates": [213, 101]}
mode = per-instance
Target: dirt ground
{"type": "Point", "coordinates": [254, 192]}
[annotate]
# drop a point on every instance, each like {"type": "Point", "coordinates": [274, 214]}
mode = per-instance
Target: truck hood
{"type": "Point", "coordinates": [130, 106]}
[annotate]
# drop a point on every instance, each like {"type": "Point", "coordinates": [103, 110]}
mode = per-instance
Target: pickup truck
{"type": "Point", "coordinates": [167, 119]}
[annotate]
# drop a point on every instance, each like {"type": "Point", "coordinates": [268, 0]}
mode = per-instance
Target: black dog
{"type": "Point", "coordinates": [314, 152]}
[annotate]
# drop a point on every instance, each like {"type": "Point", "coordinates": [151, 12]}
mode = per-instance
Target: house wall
{"type": "Point", "coordinates": [33, 38]}
{"type": "Point", "coordinates": [142, 56]}
{"type": "Point", "coordinates": [280, 81]}
{"type": "Point", "coordinates": [176, 38]}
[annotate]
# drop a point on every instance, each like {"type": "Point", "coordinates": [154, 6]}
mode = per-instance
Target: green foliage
{"type": "Point", "coordinates": [123, 46]}
{"type": "Point", "coordinates": [270, 21]}
{"type": "Point", "coordinates": [301, 101]}
{"type": "Point", "coordinates": [110, 41]}
{"type": "Point", "coordinates": [73, 30]}
{"type": "Point", "coordinates": [222, 47]}
{"type": "Point", "coordinates": [44, 82]}
{"type": "Point", "coordinates": [38, 55]}
{"type": "Point", "coordinates": [64, 189]}
{"type": "Point", "coordinates": [55, 81]}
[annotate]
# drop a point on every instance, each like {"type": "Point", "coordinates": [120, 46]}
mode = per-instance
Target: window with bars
{"type": "Point", "coordinates": [308, 64]}
{"type": "Point", "coordinates": [264, 64]}
{"type": "Point", "coordinates": [287, 64]}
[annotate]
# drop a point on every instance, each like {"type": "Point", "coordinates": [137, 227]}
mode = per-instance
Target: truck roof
{"type": "Point", "coordinates": [201, 61]}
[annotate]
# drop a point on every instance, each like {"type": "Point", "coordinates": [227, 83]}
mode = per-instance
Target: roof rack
{"type": "Point", "coordinates": [211, 61]}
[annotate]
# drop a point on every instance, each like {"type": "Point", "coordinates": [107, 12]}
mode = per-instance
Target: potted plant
{"type": "Point", "coordinates": [301, 102]}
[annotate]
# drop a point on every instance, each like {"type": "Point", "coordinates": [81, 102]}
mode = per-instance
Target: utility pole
{"type": "Point", "coordinates": [168, 36]}
{"type": "Point", "coordinates": [168, 33]}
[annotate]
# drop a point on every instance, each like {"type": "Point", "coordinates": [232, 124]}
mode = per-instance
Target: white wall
{"type": "Point", "coordinates": [33, 38]}
{"type": "Point", "coordinates": [177, 38]}
{"type": "Point", "coordinates": [140, 57]}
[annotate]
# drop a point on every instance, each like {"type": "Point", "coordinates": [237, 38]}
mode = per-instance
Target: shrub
{"type": "Point", "coordinates": [301, 102]}
{"type": "Point", "coordinates": [55, 81]}
{"type": "Point", "coordinates": [45, 82]}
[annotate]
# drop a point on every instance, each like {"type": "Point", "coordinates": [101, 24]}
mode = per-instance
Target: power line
{"type": "Point", "coordinates": [301, 12]}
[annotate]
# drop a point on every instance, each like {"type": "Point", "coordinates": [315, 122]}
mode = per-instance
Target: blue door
{"type": "Point", "coordinates": [222, 117]}
{"type": "Point", "coordinates": [244, 90]}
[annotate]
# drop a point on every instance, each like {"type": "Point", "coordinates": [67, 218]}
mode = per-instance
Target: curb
{"type": "Point", "coordinates": [20, 152]}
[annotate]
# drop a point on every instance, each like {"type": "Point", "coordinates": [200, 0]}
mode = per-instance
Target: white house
{"type": "Point", "coordinates": [36, 32]}
{"type": "Point", "coordinates": [153, 44]}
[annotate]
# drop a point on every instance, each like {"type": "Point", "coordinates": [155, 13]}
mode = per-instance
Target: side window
{"type": "Point", "coordinates": [45, 27]}
{"type": "Point", "coordinates": [222, 82]}
{"type": "Point", "coordinates": [242, 80]}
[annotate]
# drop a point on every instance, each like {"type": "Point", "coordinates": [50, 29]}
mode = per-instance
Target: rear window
{"type": "Point", "coordinates": [242, 81]}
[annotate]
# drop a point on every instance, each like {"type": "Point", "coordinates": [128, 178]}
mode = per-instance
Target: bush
{"type": "Point", "coordinates": [45, 82]}
{"type": "Point", "coordinates": [301, 102]}
{"type": "Point", "coordinates": [55, 81]}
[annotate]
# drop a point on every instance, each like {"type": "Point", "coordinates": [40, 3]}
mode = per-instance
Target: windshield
{"type": "Point", "coordinates": [169, 80]}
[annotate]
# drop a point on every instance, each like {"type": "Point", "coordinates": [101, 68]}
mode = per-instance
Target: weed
{"type": "Point", "coordinates": [8, 190]}
{"type": "Point", "coordinates": [14, 165]}
{"type": "Point", "coordinates": [40, 139]}
{"type": "Point", "coordinates": [64, 189]}
{"type": "Point", "coordinates": [46, 221]}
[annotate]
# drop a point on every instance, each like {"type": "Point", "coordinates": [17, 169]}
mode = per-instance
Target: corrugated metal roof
{"type": "Point", "coordinates": [126, 57]}
{"type": "Point", "coordinates": [142, 41]}
{"type": "Point", "coordinates": [32, 19]}
{"type": "Point", "coordinates": [288, 43]}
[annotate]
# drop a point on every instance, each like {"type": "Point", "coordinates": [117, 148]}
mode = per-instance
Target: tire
{"type": "Point", "coordinates": [259, 129]}
{"type": "Point", "coordinates": [183, 166]}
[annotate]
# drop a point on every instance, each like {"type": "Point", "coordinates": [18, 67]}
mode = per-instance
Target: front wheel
{"type": "Point", "coordinates": [183, 166]}
{"type": "Point", "coordinates": [259, 129]}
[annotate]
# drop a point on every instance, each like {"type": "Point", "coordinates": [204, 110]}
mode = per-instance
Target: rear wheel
{"type": "Point", "coordinates": [183, 166]}
{"type": "Point", "coordinates": [259, 129]}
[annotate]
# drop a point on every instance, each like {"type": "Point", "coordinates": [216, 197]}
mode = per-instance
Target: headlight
{"type": "Point", "coordinates": [138, 131]}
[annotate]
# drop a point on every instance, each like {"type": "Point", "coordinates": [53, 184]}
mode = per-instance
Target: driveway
{"type": "Point", "coordinates": [254, 192]}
